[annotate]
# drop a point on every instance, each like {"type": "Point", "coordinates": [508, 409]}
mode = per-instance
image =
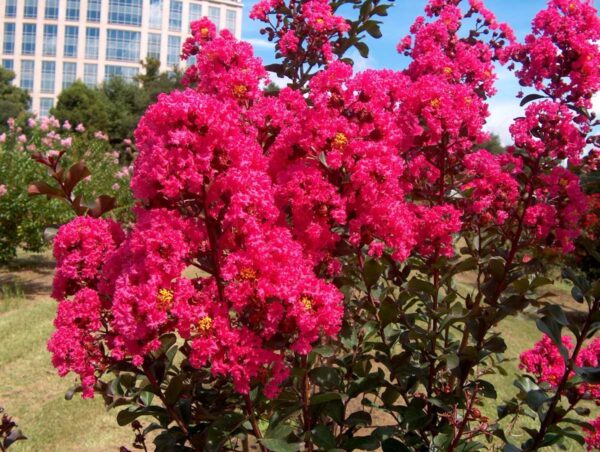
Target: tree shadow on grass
{"type": "Point", "coordinates": [28, 276]}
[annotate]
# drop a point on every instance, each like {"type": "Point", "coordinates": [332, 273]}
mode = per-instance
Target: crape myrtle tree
{"type": "Point", "coordinates": [292, 268]}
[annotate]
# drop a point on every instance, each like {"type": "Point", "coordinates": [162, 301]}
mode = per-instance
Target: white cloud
{"type": "Point", "coordinates": [281, 82]}
{"type": "Point", "coordinates": [260, 43]}
{"type": "Point", "coordinates": [502, 113]}
{"type": "Point", "coordinates": [360, 63]}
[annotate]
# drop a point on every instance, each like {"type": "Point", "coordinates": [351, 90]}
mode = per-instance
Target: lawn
{"type": "Point", "coordinates": [31, 391]}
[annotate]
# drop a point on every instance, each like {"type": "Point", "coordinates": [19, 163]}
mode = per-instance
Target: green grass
{"type": "Point", "coordinates": [33, 394]}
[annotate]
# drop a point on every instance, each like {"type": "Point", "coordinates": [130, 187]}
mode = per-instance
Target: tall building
{"type": "Point", "coordinates": [51, 43]}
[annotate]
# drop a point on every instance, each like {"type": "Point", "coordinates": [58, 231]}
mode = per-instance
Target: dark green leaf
{"type": "Point", "coordinates": [531, 98]}
{"type": "Point", "coordinates": [174, 389]}
{"type": "Point", "coordinates": [326, 377]}
{"type": "Point", "coordinates": [323, 437]}
{"type": "Point", "coordinates": [363, 49]}
{"type": "Point", "coordinates": [372, 271]}
{"type": "Point", "coordinates": [324, 397]}
{"type": "Point", "coordinates": [359, 418]}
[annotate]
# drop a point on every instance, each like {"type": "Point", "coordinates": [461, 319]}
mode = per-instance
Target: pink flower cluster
{"type": "Point", "coordinates": [592, 435]}
{"type": "Point", "coordinates": [308, 36]}
{"type": "Point", "coordinates": [545, 362]}
{"type": "Point", "coordinates": [81, 249]}
{"type": "Point", "coordinates": [561, 57]}
{"type": "Point", "coordinates": [224, 65]}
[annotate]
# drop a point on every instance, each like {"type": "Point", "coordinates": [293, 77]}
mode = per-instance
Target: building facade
{"type": "Point", "coordinates": [51, 43]}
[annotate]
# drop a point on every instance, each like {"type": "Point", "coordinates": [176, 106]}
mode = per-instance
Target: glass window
{"type": "Point", "coordinates": [154, 45]}
{"type": "Point", "coordinates": [30, 9]}
{"type": "Point", "coordinates": [69, 74]}
{"type": "Point", "coordinates": [71, 38]}
{"type": "Point", "coordinates": [195, 12]}
{"type": "Point", "coordinates": [27, 71]}
{"type": "Point", "coordinates": [90, 74]}
{"type": "Point", "coordinates": [50, 33]}
{"type": "Point", "coordinates": [126, 12]}
{"type": "Point", "coordinates": [93, 11]}
{"type": "Point", "coordinates": [51, 11]}
{"type": "Point", "coordinates": [46, 103]}
{"type": "Point", "coordinates": [10, 10]}
{"type": "Point", "coordinates": [230, 20]}
{"type": "Point", "coordinates": [128, 73]}
{"type": "Point", "coordinates": [72, 10]}
{"type": "Point", "coordinates": [175, 12]}
{"type": "Point", "coordinates": [8, 64]}
{"type": "Point", "coordinates": [214, 14]}
{"type": "Point", "coordinates": [173, 50]}
{"type": "Point", "coordinates": [48, 76]}
{"type": "Point", "coordinates": [8, 43]}
{"type": "Point", "coordinates": [191, 60]}
{"type": "Point", "coordinates": [92, 43]}
{"type": "Point", "coordinates": [28, 47]}
{"type": "Point", "coordinates": [156, 7]}
{"type": "Point", "coordinates": [123, 45]}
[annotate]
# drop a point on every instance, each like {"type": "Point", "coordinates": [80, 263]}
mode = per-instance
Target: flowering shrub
{"type": "Point", "coordinates": [293, 260]}
{"type": "Point", "coordinates": [23, 219]}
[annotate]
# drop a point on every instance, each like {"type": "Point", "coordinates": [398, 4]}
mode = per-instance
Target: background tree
{"type": "Point", "coordinates": [154, 82]}
{"type": "Point", "coordinates": [80, 104]}
{"type": "Point", "coordinates": [116, 105]}
{"type": "Point", "coordinates": [126, 103]}
{"type": "Point", "coordinates": [14, 101]}
{"type": "Point", "coordinates": [493, 145]}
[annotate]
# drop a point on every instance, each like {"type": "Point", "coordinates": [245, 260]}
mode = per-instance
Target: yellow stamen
{"type": "Point", "coordinates": [205, 324]}
{"type": "Point", "coordinates": [448, 70]}
{"type": "Point", "coordinates": [247, 274]}
{"type": "Point", "coordinates": [204, 32]}
{"type": "Point", "coordinates": [306, 302]}
{"type": "Point", "coordinates": [240, 90]}
{"type": "Point", "coordinates": [165, 297]}
{"type": "Point", "coordinates": [563, 182]}
{"type": "Point", "coordinates": [339, 141]}
{"type": "Point", "coordinates": [435, 103]}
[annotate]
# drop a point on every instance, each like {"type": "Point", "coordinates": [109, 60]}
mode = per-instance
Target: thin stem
{"type": "Point", "coordinates": [436, 276]}
{"type": "Point", "coordinates": [252, 416]}
{"type": "Point", "coordinates": [465, 421]}
{"type": "Point", "coordinates": [308, 445]}
{"type": "Point", "coordinates": [159, 393]}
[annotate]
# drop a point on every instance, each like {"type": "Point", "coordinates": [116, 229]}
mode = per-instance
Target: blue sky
{"type": "Point", "coordinates": [504, 106]}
